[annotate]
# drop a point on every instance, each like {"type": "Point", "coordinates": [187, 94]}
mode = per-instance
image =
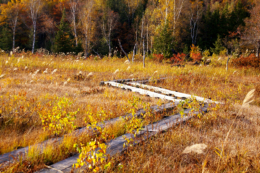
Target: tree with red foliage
{"type": "Point", "coordinates": [252, 30]}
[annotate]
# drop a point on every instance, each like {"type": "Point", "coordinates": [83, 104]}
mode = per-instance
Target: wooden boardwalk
{"type": "Point", "coordinates": [115, 146]}
{"type": "Point", "coordinates": [143, 92]}
{"type": "Point", "coordinates": [171, 93]}
{"type": "Point", "coordinates": [8, 157]}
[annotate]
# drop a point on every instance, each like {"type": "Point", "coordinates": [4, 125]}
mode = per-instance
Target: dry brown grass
{"type": "Point", "coordinates": [162, 153]}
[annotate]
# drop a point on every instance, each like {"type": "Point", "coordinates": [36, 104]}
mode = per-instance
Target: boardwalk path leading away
{"type": "Point", "coordinates": [116, 145]}
{"type": "Point", "coordinates": [8, 157]}
{"type": "Point", "coordinates": [21, 152]}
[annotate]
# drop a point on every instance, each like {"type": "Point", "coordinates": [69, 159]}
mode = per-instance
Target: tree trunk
{"type": "Point", "coordinates": [174, 19]}
{"type": "Point", "coordinates": [142, 37]}
{"type": "Point", "coordinates": [86, 48]}
{"type": "Point", "coordinates": [14, 38]}
{"type": "Point", "coordinates": [75, 29]}
{"type": "Point", "coordinates": [109, 47]}
{"type": "Point", "coordinates": [227, 63]}
{"type": "Point", "coordinates": [257, 51]}
{"type": "Point", "coordinates": [143, 53]}
{"type": "Point", "coordinates": [34, 34]}
{"type": "Point", "coordinates": [166, 11]}
{"type": "Point", "coordinates": [123, 50]}
{"type": "Point", "coordinates": [147, 38]}
{"type": "Point", "coordinates": [133, 58]}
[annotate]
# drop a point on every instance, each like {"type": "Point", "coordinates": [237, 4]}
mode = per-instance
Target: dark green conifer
{"type": "Point", "coordinates": [163, 43]}
{"type": "Point", "coordinates": [63, 41]}
{"type": "Point", "coordinates": [5, 38]}
{"type": "Point", "coordinates": [218, 46]}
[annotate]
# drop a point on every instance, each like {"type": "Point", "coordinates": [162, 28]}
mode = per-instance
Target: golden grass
{"type": "Point", "coordinates": [38, 80]}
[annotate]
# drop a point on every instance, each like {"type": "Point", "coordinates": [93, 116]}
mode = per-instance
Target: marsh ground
{"type": "Point", "coordinates": [31, 85]}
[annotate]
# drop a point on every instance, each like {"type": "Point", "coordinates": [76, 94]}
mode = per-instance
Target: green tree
{"type": "Point", "coordinates": [5, 38]}
{"type": "Point", "coordinates": [221, 22]}
{"type": "Point", "coordinates": [218, 46]}
{"type": "Point", "coordinates": [63, 41]}
{"type": "Point", "coordinates": [163, 43]}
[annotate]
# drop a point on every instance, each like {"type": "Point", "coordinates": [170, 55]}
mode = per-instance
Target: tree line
{"type": "Point", "coordinates": [111, 27]}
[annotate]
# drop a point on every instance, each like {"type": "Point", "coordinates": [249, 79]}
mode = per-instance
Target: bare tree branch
{"type": "Point", "coordinates": [123, 50]}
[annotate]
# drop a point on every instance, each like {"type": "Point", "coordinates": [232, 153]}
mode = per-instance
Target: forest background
{"type": "Point", "coordinates": [101, 27]}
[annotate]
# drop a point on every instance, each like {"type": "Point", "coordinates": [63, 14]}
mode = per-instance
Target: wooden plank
{"type": "Point", "coordinates": [169, 92]}
{"type": "Point", "coordinates": [56, 141]}
{"type": "Point", "coordinates": [116, 145]}
{"type": "Point", "coordinates": [135, 80]}
{"type": "Point", "coordinates": [143, 92]}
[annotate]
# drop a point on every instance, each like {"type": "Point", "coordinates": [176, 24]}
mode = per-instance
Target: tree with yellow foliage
{"type": "Point", "coordinates": [33, 8]}
{"type": "Point", "coordinates": [88, 24]}
{"type": "Point", "coordinates": [9, 15]}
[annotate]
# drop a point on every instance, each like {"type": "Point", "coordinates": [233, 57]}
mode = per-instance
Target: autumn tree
{"type": "Point", "coordinates": [10, 13]}
{"type": "Point", "coordinates": [88, 24]}
{"type": "Point", "coordinates": [252, 32]}
{"type": "Point", "coordinates": [73, 4]}
{"type": "Point", "coordinates": [109, 22]}
{"type": "Point", "coordinates": [33, 9]}
{"type": "Point", "coordinates": [177, 9]}
{"type": "Point", "coordinates": [195, 16]}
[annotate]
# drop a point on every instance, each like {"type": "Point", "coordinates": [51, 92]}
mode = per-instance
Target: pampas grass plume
{"type": "Point", "coordinates": [116, 71]}
{"type": "Point", "coordinates": [127, 62]}
{"type": "Point", "coordinates": [90, 74]}
{"type": "Point", "coordinates": [53, 71]}
{"type": "Point", "coordinates": [46, 71]}
{"type": "Point", "coordinates": [36, 71]}
{"type": "Point", "coordinates": [249, 98]}
{"type": "Point", "coordinates": [3, 75]}
{"type": "Point", "coordinates": [196, 148]}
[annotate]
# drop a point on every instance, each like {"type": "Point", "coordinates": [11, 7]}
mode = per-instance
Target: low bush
{"type": "Point", "coordinates": [195, 53]}
{"type": "Point", "coordinates": [250, 61]}
{"type": "Point", "coordinates": [158, 57]}
{"type": "Point", "coordinates": [178, 58]}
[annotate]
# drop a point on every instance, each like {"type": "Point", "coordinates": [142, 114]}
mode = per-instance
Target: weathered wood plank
{"type": "Point", "coordinates": [166, 91]}
{"type": "Point", "coordinates": [55, 141]}
{"type": "Point", "coordinates": [116, 145]}
{"type": "Point", "coordinates": [135, 80]}
{"type": "Point", "coordinates": [143, 92]}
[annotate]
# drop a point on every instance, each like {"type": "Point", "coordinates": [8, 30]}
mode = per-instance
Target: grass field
{"type": "Point", "coordinates": [34, 88]}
